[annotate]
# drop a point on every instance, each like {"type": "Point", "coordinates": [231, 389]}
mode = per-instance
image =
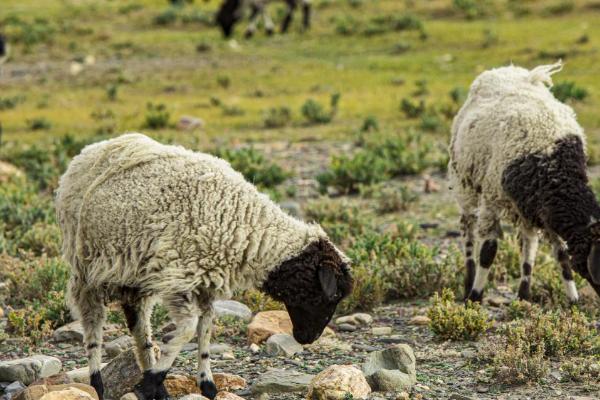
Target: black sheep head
{"type": "Point", "coordinates": [228, 15]}
{"type": "Point", "coordinates": [311, 285]}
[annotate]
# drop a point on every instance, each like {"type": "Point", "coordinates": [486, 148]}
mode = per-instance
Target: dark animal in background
{"type": "Point", "coordinates": [232, 11]}
{"type": "Point", "coordinates": [3, 48]}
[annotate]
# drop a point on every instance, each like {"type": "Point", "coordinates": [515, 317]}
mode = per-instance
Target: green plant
{"type": "Point", "coordinates": [111, 92]}
{"type": "Point", "coordinates": [412, 110]}
{"type": "Point", "coordinates": [224, 81]}
{"type": "Point", "coordinates": [258, 301]}
{"type": "Point", "coordinates": [254, 166]}
{"type": "Point", "coordinates": [393, 200]}
{"type": "Point", "coordinates": [346, 173]}
{"type": "Point", "coordinates": [456, 321]}
{"type": "Point", "coordinates": [341, 220]}
{"type": "Point", "coordinates": [345, 25]}
{"type": "Point", "coordinates": [315, 113]}
{"type": "Point", "coordinates": [458, 95]}
{"type": "Point", "coordinates": [565, 91]}
{"type": "Point", "coordinates": [8, 103]}
{"type": "Point", "coordinates": [370, 124]}
{"type": "Point", "coordinates": [560, 7]}
{"type": "Point", "coordinates": [277, 117]}
{"type": "Point", "coordinates": [472, 9]}
{"type": "Point", "coordinates": [40, 123]}
{"type": "Point", "coordinates": [159, 316]}
{"type": "Point", "coordinates": [157, 116]}
{"type": "Point", "coordinates": [41, 238]}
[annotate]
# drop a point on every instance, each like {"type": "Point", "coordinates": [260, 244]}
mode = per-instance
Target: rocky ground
{"type": "Point", "coordinates": [282, 369]}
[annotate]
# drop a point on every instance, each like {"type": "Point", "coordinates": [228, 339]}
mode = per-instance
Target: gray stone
{"type": "Point", "coordinates": [381, 330]}
{"type": "Point", "coordinates": [118, 346]}
{"type": "Point", "coordinates": [190, 347]}
{"type": "Point", "coordinates": [347, 319]}
{"type": "Point", "coordinates": [120, 375]}
{"type": "Point", "coordinates": [71, 332]}
{"type": "Point", "coordinates": [392, 369]}
{"type": "Point", "coordinates": [30, 369]}
{"type": "Point", "coordinates": [281, 381]}
{"type": "Point", "coordinates": [219, 348]}
{"type": "Point", "coordinates": [363, 318]}
{"type": "Point", "coordinates": [193, 396]}
{"type": "Point", "coordinates": [82, 375]}
{"type": "Point", "coordinates": [457, 396]}
{"type": "Point", "coordinates": [232, 308]}
{"type": "Point", "coordinates": [129, 396]}
{"type": "Point", "coordinates": [347, 327]}
{"type": "Point", "coordinates": [282, 344]}
{"type": "Point", "coordinates": [12, 389]}
{"type": "Point", "coordinates": [188, 123]}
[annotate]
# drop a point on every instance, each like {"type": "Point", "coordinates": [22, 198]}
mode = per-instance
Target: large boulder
{"type": "Point", "coordinates": [268, 323]}
{"type": "Point", "coordinates": [71, 332]}
{"type": "Point", "coordinates": [119, 345]}
{"type": "Point", "coordinates": [180, 385]}
{"type": "Point", "coordinates": [228, 396]}
{"type": "Point", "coordinates": [70, 393]}
{"type": "Point", "coordinates": [392, 369]}
{"type": "Point", "coordinates": [232, 308]}
{"type": "Point", "coordinates": [282, 344]}
{"type": "Point", "coordinates": [28, 370]}
{"type": "Point", "coordinates": [281, 381]}
{"type": "Point", "coordinates": [120, 375]}
{"type": "Point", "coordinates": [339, 382]}
{"type": "Point", "coordinates": [81, 375]}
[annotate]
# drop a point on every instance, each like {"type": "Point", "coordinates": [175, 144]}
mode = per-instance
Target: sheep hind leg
{"type": "Point", "coordinates": [184, 314]}
{"type": "Point", "coordinates": [467, 222]}
{"type": "Point", "coordinates": [529, 246]}
{"type": "Point", "coordinates": [561, 255]}
{"type": "Point", "coordinates": [138, 310]}
{"type": "Point", "coordinates": [488, 231]}
{"type": "Point", "coordinates": [90, 304]}
{"type": "Point", "coordinates": [205, 379]}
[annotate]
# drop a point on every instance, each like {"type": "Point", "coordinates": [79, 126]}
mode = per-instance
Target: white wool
{"type": "Point", "coordinates": [165, 219]}
{"type": "Point", "coordinates": [510, 112]}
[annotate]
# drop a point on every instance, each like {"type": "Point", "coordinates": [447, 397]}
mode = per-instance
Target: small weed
{"type": "Point", "coordinates": [277, 117]}
{"type": "Point", "coordinates": [8, 103]}
{"type": "Point", "coordinates": [258, 301]}
{"type": "Point", "coordinates": [346, 173]}
{"type": "Point", "coordinates": [391, 200]}
{"type": "Point", "coordinates": [39, 124]}
{"type": "Point", "coordinates": [472, 9]}
{"type": "Point", "coordinates": [224, 81]}
{"type": "Point", "coordinates": [569, 91]}
{"type": "Point", "coordinates": [157, 116]}
{"type": "Point", "coordinates": [412, 110]}
{"type": "Point", "coordinates": [456, 321]}
{"type": "Point", "coordinates": [315, 113]}
{"type": "Point", "coordinates": [112, 92]}
{"type": "Point", "coordinates": [560, 8]}
{"type": "Point", "coordinates": [254, 166]}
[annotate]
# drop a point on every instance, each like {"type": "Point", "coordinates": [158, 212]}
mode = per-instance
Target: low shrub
{"type": "Point", "coordinates": [341, 220]}
{"type": "Point", "coordinates": [258, 301]}
{"type": "Point", "coordinates": [456, 321]}
{"type": "Point", "coordinates": [412, 110]}
{"type": "Point", "coordinates": [8, 103]}
{"type": "Point", "coordinates": [157, 116]}
{"type": "Point", "coordinates": [569, 91]}
{"type": "Point", "coordinates": [254, 166]}
{"type": "Point", "coordinates": [560, 7]}
{"type": "Point", "coordinates": [472, 9]}
{"type": "Point", "coordinates": [347, 173]}
{"type": "Point", "coordinates": [391, 200]}
{"type": "Point", "coordinates": [277, 117]}
{"type": "Point", "coordinates": [39, 124]}
{"type": "Point", "coordinates": [315, 113]}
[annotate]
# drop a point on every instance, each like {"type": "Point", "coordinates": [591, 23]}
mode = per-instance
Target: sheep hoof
{"type": "Point", "coordinates": [208, 389]}
{"type": "Point", "coordinates": [161, 393]}
{"type": "Point", "coordinates": [248, 34]}
{"type": "Point", "coordinates": [475, 296]}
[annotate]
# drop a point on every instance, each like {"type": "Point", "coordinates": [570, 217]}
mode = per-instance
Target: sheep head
{"type": "Point", "coordinates": [311, 285]}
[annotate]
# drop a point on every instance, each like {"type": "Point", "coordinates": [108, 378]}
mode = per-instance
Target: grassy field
{"type": "Point", "coordinates": [370, 169]}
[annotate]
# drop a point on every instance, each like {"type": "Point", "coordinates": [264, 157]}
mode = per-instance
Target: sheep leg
{"type": "Point", "coordinates": [529, 246]}
{"type": "Point", "coordinates": [90, 304]}
{"type": "Point", "coordinates": [488, 231]}
{"type": "Point", "coordinates": [269, 25]}
{"type": "Point", "coordinates": [288, 17]}
{"type": "Point", "coordinates": [205, 379]}
{"type": "Point", "coordinates": [306, 8]}
{"type": "Point", "coordinates": [561, 255]}
{"type": "Point", "coordinates": [255, 12]}
{"type": "Point", "coordinates": [184, 314]}
{"type": "Point", "coordinates": [467, 222]}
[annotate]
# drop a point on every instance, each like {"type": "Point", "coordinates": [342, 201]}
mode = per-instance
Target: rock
{"type": "Point", "coordinates": [228, 355]}
{"type": "Point", "coordinates": [71, 332]}
{"type": "Point", "coordinates": [119, 345]}
{"type": "Point", "coordinates": [498, 301]}
{"type": "Point", "coordinates": [7, 171]}
{"type": "Point", "coordinates": [419, 320]}
{"type": "Point", "coordinates": [120, 375]}
{"type": "Point", "coordinates": [282, 344]}
{"type": "Point", "coordinates": [129, 396]}
{"type": "Point", "coordinates": [363, 318]}
{"type": "Point", "coordinates": [229, 382]}
{"type": "Point", "coordinates": [228, 396]}
{"type": "Point", "coordinates": [219, 348]}
{"type": "Point", "coordinates": [392, 369]}
{"type": "Point", "coordinates": [339, 382]}
{"type": "Point", "coordinates": [33, 392]}
{"type": "Point", "coordinates": [348, 319]}
{"type": "Point", "coordinates": [281, 381]}
{"type": "Point", "coordinates": [29, 369]}
{"type": "Point", "coordinates": [254, 348]}
{"type": "Point", "coordinates": [71, 393]}
{"type": "Point", "coordinates": [82, 375]}
{"type": "Point", "coordinates": [267, 323]}
{"type": "Point", "coordinates": [79, 386]}
{"type": "Point", "coordinates": [232, 308]}
{"type": "Point", "coordinates": [58, 379]}
{"type": "Point", "coordinates": [430, 185]}
{"type": "Point", "coordinates": [291, 207]}
{"type": "Point", "coordinates": [189, 347]}
{"type": "Point", "coordinates": [180, 385]}
{"type": "Point", "coordinates": [188, 123]}
{"type": "Point", "coordinates": [403, 396]}
{"type": "Point", "coordinates": [381, 330]}
{"type": "Point", "coordinates": [193, 397]}
{"type": "Point", "coordinates": [1, 311]}
{"type": "Point", "coordinates": [12, 389]}
{"type": "Point", "coordinates": [347, 327]}
{"type": "Point", "coordinates": [457, 396]}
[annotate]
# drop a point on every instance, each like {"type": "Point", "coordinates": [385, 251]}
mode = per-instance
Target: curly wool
{"type": "Point", "coordinates": [136, 213]}
{"type": "Point", "coordinates": [509, 113]}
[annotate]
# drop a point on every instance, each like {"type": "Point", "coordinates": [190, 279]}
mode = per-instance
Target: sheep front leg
{"type": "Point", "coordinates": [561, 255]}
{"type": "Point", "coordinates": [529, 246]}
{"type": "Point", "coordinates": [489, 231]}
{"type": "Point", "coordinates": [184, 314]}
{"type": "Point", "coordinates": [90, 304]}
{"type": "Point", "coordinates": [467, 222]}
{"type": "Point", "coordinates": [205, 379]}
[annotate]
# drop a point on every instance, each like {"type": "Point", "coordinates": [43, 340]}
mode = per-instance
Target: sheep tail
{"type": "Point", "coordinates": [543, 73]}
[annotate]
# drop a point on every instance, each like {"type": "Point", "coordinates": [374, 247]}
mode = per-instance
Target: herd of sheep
{"type": "Point", "coordinates": [143, 221]}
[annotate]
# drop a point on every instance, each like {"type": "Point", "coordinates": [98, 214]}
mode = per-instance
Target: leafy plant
{"type": "Point", "coordinates": [254, 166]}
{"type": "Point", "coordinates": [40, 123]}
{"type": "Point", "coordinates": [315, 113]}
{"type": "Point", "coordinates": [277, 117]}
{"type": "Point", "coordinates": [569, 91]}
{"type": "Point", "coordinates": [157, 116]}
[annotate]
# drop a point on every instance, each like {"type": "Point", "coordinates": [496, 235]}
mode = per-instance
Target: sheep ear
{"type": "Point", "coordinates": [594, 262]}
{"type": "Point", "coordinates": [328, 282]}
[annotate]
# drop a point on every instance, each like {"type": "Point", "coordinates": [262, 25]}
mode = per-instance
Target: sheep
{"type": "Point", "coordinates": [518, 153]}
{"type": "Point", "coordinates": [231, 12]}
{"type": "Point", "coordinates": [142, 221]}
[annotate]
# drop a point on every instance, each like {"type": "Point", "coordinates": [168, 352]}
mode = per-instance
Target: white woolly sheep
{"type": "Point", "coordinates": [519, 153]}
{"type": "Point", "coordinates": [143, 221]}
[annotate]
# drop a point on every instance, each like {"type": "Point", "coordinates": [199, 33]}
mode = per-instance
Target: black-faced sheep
{"type": "Point", "coordinates": [143, 221]}
{"type": "Point", "coordinates": [519, 153]}
{"type": "Point", "coordinates": [231, 11]}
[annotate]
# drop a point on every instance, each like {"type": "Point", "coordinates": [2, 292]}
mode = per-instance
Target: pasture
{"type": "Point", "coordinates": [346, 124]}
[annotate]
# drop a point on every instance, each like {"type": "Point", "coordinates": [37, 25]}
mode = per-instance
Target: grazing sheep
{"type": "Point", "coordinates": [519, 153]}
{"type": "Point", "coordinates": [143, 221]}
{"type": "Point", "coordinates": [231, 12]}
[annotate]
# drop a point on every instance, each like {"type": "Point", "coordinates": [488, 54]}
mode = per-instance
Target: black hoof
{"type": "Point", "coordinates": [475, 296]}
{"type": "Point", "coordinates": [161, 392]}
{"type": "Point", "coordinates": [208, 389]}
{"type": "Point", "coordinates": [524, 292]}
{"type": "Point", "coordinates": [248, 34]}
{"type": "Point", "coordinates": [270, 32]}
